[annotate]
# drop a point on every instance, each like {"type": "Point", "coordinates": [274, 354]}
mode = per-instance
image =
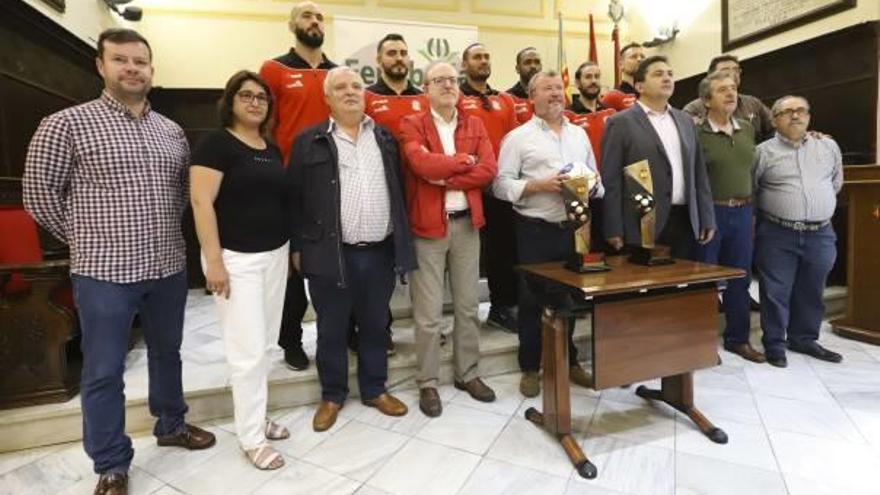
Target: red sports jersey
{"type": "Point", "coordinates": [523, 109]}
{"type": "Point", "coordinates": [594, 124]}
{"type": "Point", "coordinates": [299, 100]}
{"type": "Point", "coordinates": [389, 111]}
{"type": "Point", "coordinates": [618, 100]}
{"type": "Point", "coordinates": [499, 118]}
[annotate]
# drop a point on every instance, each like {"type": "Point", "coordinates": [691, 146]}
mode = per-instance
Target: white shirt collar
{"type": "Point", "coordinates": [439, 120]}
{"type": "Point", "coordinates": [366, 123]}
{"type": "Point", "coordinates": [649, 111]}
{"type": "Point", "coordinates": [718, 129]}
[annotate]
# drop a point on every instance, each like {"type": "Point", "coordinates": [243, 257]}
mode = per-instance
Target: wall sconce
{"type": "Point", "coordinates": [664, 35]}
{"type": "Point", "coordinates": [129, 13]}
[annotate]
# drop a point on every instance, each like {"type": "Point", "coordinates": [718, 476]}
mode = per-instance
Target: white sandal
{"type": "Point", "coordinates": [265, 457]}
{"type": "Point", "coordinates": [274, 431]}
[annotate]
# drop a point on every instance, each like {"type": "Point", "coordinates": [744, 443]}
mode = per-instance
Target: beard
{"type": "Point", "coordinates": [310, 40]}
{"type": "Point", "coordinates": [590, 92]}
{"type": "Point", "coordinates": [527, 76]}
{"type": "Point", "coordinates": [396, 72]}
{"type": "Point", "coordinates": [477, 75]}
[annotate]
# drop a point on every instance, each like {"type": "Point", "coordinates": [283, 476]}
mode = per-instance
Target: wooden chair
{"type": "Point", "coordinates": [40, 360]}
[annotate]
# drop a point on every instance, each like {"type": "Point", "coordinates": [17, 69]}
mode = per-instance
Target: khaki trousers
{"type": "Point", "coordinates": [459, 253]}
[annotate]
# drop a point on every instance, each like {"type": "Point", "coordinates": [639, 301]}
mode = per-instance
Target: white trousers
{"type": "Point", "coordinates": [250, 320]}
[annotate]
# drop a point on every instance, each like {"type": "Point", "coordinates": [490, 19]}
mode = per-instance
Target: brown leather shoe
{"type": "Point", "coordinates": [112, 484]}
{"type": "Point", "coordinates": [579, 376]}
{"type": "Point", "coordinates": [429, 402]}
{"type": "Point", "coordinates": [191, 438]}
{"type": "Point", "coordinates": [746, 351]}
{"type": "Point", "coordinates": [529, 384]}
{"type": "Point", "coordinates": [325, 416]}
{"type": "Point", "coordinates": [387, 404]}
{"type": "Point", "coordinates": [477, 389]}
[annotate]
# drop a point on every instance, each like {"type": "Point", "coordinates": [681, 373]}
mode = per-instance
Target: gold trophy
{"type": "Point", "coordinates": [639, 188]}
{"type": "Point", "coordinates": [576, 194]}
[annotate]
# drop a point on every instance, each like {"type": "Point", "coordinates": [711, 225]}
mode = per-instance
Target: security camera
{"type": "Point", "coordinates": [129, 13]}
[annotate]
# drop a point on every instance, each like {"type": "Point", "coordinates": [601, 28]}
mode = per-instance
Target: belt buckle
{"type": "Point", "coordinates": [799, 226]}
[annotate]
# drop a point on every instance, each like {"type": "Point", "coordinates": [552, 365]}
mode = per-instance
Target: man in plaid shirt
{"type": "Point", "coordinates": [108, 177]}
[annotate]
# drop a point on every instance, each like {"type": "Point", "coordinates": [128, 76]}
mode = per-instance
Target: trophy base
{"type": "Point", "coordinates": [587, 263]}
{"type": "Point", "coordinates": [655, 256]}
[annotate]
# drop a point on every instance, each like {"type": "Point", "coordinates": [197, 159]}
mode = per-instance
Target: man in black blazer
{"type": "Point", "coordinates": [666, 137]}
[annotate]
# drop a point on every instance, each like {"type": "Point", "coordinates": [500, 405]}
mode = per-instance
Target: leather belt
{"type": "Point", "coordinates": [733, 202]}
{"type": "Point", "coordinates": [366, 245]}
{"type": "Point", "coordinates": [559, 225]}
{"type": "Point", "coordinates": [797, 225]}
{"type": "Point", "coordinates": [452, 215]}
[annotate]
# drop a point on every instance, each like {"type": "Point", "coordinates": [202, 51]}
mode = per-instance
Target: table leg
{"type": "Point", "coordinates": [556, 417]}
{"type": "Point", "coordinates": [678, 392]}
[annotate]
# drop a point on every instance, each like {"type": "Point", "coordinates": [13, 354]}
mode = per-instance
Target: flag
{"type": "Point", "coordinates": [593, 56]}
{"type": "Point", "coordinates": [615, 35]}
{"type": "Point", "coordinates": [563, 65]}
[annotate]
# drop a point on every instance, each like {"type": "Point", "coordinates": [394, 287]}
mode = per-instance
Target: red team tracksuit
{"type": "Point", "coordinates": [498, 246]}
{"type": "Point", "coordinates": [298, 91]}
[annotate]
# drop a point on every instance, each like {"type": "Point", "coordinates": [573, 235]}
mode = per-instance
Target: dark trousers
{"type": "Point", "coordinates": [498, 250]}
{"type": "Point", "coordinates": [106, 311]}
{"type": "Point", "coordinates": [793, 267]}
{"type": "Point", "coordinates": [538, 242]}
{"type": "Point", "coordinates": [678, 234]}
{"type": "Point", "coordinates": [732, 246]}
{"type": "Point", "coordinates": [295, 305]}
{"type": "Point", "coordinates": [598, 244]}
{"type": "Point", "coordinates": [369, 281]}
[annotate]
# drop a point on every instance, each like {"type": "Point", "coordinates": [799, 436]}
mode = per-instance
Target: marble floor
{"type": "Point", "coordinates": [810, 429]}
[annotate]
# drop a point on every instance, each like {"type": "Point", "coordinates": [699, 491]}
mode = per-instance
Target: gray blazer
{"type": "Point", "coordinates": [630, 137]}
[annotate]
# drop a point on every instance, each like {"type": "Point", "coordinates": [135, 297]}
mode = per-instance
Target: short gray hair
{"type": "Point", "coordinates": [437, 63]}
{"type": "Point", "coordinates": [534, 80]}
{"type": "Point", "coordinates": [332, 73]}
{"type": "Point", "coordinates": [705, 87]}
{"type": "Point", "coordinates": [778, 103]}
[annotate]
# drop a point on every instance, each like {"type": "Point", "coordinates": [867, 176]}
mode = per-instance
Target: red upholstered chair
{"type": "Point", "coordinates": [39, 361]}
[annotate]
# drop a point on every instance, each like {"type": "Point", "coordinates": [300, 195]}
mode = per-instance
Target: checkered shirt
{"type": "Point", "coordinates": [365, 205]}
{"type": "Point", "coordinates": [111, 185]}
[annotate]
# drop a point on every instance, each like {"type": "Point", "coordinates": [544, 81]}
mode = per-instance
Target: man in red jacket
{"type": "Point", "coordinates": [449, 160]}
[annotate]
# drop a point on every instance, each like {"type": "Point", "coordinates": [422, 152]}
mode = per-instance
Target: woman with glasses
{"type": "Point", "coordinates": [239, 195]}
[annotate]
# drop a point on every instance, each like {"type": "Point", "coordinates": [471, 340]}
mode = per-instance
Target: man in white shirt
{"type": "Point", "coordinates": [534, 160]}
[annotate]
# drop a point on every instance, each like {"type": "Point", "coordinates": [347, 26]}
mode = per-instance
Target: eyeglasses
{"type": "Point", "coordinates": [441, 80]}
{"type": "Point", "coordinates": [790, 112]}
{"type": "Point", "coordinates": [248, 97]}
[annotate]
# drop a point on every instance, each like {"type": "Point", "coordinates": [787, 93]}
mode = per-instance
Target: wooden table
{"type": "Point", "coordinates": [648, 322]}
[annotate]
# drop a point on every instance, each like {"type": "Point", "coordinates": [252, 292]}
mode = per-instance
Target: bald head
{"type": "Point", "coordinates": [307, 24]}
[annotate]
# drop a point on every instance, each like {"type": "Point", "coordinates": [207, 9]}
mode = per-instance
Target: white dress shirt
{"type": "Point", "coordinates": [534, 151]}
{"type": "Point", "coordinates": [665, 126]}
{"type": "Point", "coordinates": [455, 200]}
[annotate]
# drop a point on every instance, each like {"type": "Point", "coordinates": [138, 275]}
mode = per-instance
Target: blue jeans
{"type": "Point", "coordinates": [106, 311]}
{"type": "Point", "coordinates": [793, 267]}
{"type": "Point", "coordinates": [369, 277]}
{"type": "Point", "coordinates": [732, 246]}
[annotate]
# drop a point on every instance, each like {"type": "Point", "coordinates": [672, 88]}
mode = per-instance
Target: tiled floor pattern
{"type": "Point", "coordinates": [811, 429]}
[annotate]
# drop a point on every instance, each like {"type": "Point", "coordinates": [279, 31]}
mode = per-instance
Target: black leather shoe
{"type": "Point", "coordinates": [112, 484]}
{"type": "Point", "coordinates": [817, 351]}
{"type": "Point", "coordinates": [777, 359]}
{"type": "Point", "coordinates": [296, 358]}
{"type": "Point", "coordinates": [504, 318]}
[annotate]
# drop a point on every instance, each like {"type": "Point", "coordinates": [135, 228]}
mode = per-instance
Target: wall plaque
{"type": "Point", "coordinates": [746, 21]}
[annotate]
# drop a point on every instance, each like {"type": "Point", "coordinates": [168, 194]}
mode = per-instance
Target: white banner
{"type": "Point", "coordinates": [356, 41]}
